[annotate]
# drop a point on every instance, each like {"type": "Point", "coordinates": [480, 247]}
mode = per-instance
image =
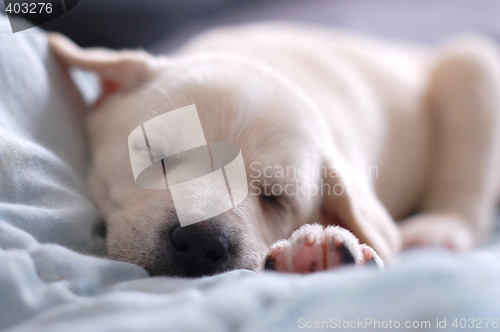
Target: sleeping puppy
{"type": "Point", "coordinates": [378, 146]}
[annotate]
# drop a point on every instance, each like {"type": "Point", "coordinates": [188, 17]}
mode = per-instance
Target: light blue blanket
{"type": "Point", "coordinates": [46, 216]}
{"type": "Point", "coordinates": [50, 288]}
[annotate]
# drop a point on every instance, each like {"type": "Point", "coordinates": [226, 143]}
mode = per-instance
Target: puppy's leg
{"type": "Point", "coordinates": [315, 248]}
{"type": "Point", "coordinates": [459, 202]}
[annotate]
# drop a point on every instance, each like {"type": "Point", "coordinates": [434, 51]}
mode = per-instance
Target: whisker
{"type": "Point", "coordinates": [151, 102]}
{"type": "Point", "coordinates": [162, 92]}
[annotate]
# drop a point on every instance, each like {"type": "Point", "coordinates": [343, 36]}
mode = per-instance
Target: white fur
{"type": "Point", "coordinates": [427, 119]}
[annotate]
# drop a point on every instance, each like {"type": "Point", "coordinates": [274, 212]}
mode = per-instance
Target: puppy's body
{"type": "Point", "coordinates": [371, 95]}
{"type": "Point", "coordinates": [401, 130]}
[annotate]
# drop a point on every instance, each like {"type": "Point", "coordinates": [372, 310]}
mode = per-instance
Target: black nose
{"type": "Point", "coordinates": [201, 248]}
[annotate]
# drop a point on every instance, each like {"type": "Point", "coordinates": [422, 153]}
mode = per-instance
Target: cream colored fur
{"type": "Point", "coordinates": [412, 134]}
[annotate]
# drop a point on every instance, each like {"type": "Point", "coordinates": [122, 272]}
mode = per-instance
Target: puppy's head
{"type": "Point", "coordinates": [280, 133]}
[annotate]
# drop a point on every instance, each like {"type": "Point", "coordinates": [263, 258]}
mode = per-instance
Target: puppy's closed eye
{"type": "Point", "coordinates": [274, 203]}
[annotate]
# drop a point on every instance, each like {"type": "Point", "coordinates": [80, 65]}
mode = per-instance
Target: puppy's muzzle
{"type": "Point", "coordinates": [200, 249]}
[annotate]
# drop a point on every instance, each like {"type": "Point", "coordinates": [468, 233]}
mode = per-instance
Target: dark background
{"type": "Point", "coordinates": [149, 23]}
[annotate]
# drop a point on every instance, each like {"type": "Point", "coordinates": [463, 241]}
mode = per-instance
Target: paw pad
{"type": "Point", "coordinates": [316, 248]}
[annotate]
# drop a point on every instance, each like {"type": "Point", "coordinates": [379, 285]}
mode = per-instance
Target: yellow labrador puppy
{"type": "Point", "coordinates": [340, 135]}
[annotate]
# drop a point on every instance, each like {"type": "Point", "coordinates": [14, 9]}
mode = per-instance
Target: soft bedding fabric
{"type": "Point", "coordinates": [42, 148]}
{"type": "Point", "coordinates": [44, 211]}
{"type": "Point", "coordinates": [50, 288]}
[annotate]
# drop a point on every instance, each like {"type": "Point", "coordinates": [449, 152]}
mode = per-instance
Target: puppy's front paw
{"type": "Point", "coordinates": [315, 248]}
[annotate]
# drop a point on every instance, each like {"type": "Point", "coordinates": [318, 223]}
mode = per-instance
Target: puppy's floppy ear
{"type": "Point", "coordinates": [350, 202]}
{"type": "Point", "coordinates": [118, 70]}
